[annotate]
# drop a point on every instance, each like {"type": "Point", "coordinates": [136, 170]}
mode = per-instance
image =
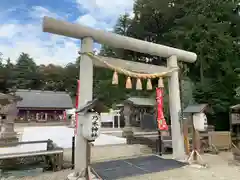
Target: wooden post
{"type": "Point", "coordinates": [195, 141]}
{"type": "Point", "coordinates": [185, 134]}
{"type": "Point", "coordinates": [88, 159]}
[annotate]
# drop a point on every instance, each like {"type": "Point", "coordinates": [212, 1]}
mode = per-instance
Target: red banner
{"type": "Point", "coordinates": [76, 105]}
{"type": "Point", "coordinates": [64, 116]}
{"type": "Point", "coordinates": [162, 125]}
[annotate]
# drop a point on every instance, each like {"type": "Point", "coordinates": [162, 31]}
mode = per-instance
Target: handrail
{"type": "Point", "coordinates": [27, 154]}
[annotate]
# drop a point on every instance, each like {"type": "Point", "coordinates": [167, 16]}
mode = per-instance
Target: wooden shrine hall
{"type": "Point", "coordinates": [42, 106]}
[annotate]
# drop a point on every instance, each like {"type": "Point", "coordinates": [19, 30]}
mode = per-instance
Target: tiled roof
{"type": "Point", "coordinates": [141, 101]}
{"type": "Point", "coordinates": [43, 99]}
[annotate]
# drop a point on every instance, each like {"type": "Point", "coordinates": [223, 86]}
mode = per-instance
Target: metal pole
{"type": "Point", "coordinates": [159, 143]}
{"type": "Point", "coordinates": [73, 151]}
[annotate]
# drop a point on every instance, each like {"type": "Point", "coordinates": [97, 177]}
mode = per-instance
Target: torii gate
{"type": "Point", "coordinates": [88, 36]}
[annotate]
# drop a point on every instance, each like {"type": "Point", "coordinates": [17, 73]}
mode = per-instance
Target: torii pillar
{"type": "Point", "coordinates": [88, 35]}
{"type": "Point", "coordinates": [175, 110]}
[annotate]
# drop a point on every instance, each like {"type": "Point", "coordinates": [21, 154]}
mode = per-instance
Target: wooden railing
{"type": "Point", "coordinates": [50, 159]}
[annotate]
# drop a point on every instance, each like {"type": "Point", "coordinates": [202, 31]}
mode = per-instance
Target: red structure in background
{"type": "Point", "coordinates": [77, 102]}
{"type": "Point", "coordinates": [64, 115]}
{"type": "Point", "coordinates": [162, 125]}
{"type": "Point", "coordinates": [42, 105]}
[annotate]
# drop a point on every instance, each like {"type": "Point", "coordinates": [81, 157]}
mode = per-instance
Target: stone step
{"type": "Point", "coordinates": [110, 152]}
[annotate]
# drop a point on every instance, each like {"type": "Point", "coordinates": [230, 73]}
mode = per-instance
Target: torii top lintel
{"type": "Point", "coordinates": [114, 40]}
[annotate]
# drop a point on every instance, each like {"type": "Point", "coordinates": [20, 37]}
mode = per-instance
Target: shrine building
{"type": "Point", "coordinates": [42, 106]}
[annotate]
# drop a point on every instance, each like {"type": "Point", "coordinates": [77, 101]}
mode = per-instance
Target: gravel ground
{"type": "Point", "coordinates": [220, 167]}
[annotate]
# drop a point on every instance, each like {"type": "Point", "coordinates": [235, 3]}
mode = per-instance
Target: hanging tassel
{"type": "Point", "coordinates": [115, 78]}
{"type": "Point", "coordinates": [129, 83]}
{"type": "Point", "coordinates": [160, 82]}
{"type": "Point", "coordinates": [139, 84]}
{"type": "Point", "coordinates": [149, 84]}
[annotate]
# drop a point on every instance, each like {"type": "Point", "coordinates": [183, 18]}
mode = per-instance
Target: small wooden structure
{"type": "Point", "coordinates": [235, 130]}
{"type": "Point", "coordinates": [141, 124]}
{"type": "Point", "coordinates": [140, 107]}
{"type": "Point", "coordinates": [208, 140]}
{"type": "Point", "coordinates": [235, 124]}
{"type": "Point", "coordinates": [196, 139]}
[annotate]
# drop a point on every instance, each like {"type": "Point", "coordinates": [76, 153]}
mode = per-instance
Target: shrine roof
{"type": "Point", "coordinates": [195, 108]}
{"type": "Point", "coordinates": [236, 107]}
{"type": "Point", "coordinates": [44, 99]}
{"type": "Point", "coordinates": [139, 101]}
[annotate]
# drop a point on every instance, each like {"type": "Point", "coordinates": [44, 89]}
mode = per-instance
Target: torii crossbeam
{"type": "Point", "coordinates": [88, 36]}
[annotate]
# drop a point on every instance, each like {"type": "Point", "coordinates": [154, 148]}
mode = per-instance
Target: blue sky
{"type": "Point", "coordinates": [21, 31]}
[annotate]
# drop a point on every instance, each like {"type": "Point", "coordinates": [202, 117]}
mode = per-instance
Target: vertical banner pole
{"type": "Point", "coordinates": [73, 151]}
{"type": "Point", "coordinates": [162, 126]}
{"type": "Point", "coordinates": [76, 106]}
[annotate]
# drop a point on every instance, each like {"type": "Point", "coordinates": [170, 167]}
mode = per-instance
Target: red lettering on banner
{"type": "Point", "coordinates": [76, 105]}
{"type": "Point", "coordinates": [162, 125]}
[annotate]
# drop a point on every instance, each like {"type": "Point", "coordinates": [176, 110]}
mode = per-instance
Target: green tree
{"type": "Point", "coordinates": [5, 75]}
{"type": "Point", "coordinates": [237, 96]}
{"type": "Point", "coordinates": [2, 75]}
{"type": "Point", "coordinates": [25, 74]}
{"type": "Point", "coordinates": [71, 75]}
{"type": "Point", "coordinates": [53, 77]}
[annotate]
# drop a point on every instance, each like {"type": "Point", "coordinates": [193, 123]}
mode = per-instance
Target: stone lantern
{"type": "Point", "coordinates": [8, 113]}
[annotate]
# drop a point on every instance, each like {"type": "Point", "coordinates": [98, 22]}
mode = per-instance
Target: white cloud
{"type": "Point", "coordinates": [48, 48]}
{"type": "Point", "coordinates": [87, 19]}
{"type": "Point", "coordinates": [40, 12]}
{"type": "Point", "coordinates": [7, 30]}
{"type": "Point", "coordinates": [29, 38]}
{"type": "Point", "coordinates": [106, 7]}
{"type": "Point", "coordinates": [103, 12]}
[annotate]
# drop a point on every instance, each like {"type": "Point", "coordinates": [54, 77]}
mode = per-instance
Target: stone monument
{"type": "Point", "coordinates": [8, 113]}
{"type": "Point", "coordinates": [127, 130]}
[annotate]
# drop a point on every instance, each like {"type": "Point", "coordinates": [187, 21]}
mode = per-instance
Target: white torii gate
{"type": "Point", "coordinates": [88, 36]}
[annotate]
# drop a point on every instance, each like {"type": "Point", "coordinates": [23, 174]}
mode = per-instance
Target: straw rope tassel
{"type": "Point", "coordinates": [149, 84]}
{"type": "Point", "coordinates": [115, 78]}
{"type": "Point", "coordinates": [139, 84]}
{"type": "Point", "coordinates": [160, 82]}
{"type": "Point", "coordinates": [129, 83]}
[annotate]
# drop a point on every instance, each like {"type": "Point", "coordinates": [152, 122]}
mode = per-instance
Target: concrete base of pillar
{"type": "Point", "coordinates": [127, 131]}
{"type": "Point", "coordinates": [8, 141]}
{"type": "Point", "coordinates": [128, 134]}
{"type": "Point", "coordinates": [73, 176]}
